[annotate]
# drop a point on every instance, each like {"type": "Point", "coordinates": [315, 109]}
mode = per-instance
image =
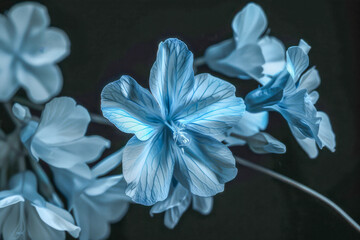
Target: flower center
{"type": "Point", "coordinates": [180, 137]}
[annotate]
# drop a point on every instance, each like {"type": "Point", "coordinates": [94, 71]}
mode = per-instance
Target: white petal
{"type": "Point", "coordinates": [310, 80]}
{"type": "Point", "coordinates": [309, 146]}
{"type": "Point", "coordinates": [108, 164]}
{"type": "Point", "coordinates": [296, 62]}
{"type": "Point", "coordinates": [274, 54]}
{"type": "Point", "coordinates": [326, 134]}
{"type": "Point", "coordinates": [304, 46]}
{"type": "Point", "coordinates": [203, 205]}
{"type": "Point", "coordinates": [262, 143]}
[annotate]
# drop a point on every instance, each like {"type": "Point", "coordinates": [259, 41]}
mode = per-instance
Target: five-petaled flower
{"type": "Point", "coordinates": [29, 51]}
{"type": "Point", "coordinates": [178, 128]}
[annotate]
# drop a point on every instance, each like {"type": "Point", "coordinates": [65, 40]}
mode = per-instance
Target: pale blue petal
{"type": "Point", "coordinates": [9, 200]}
{"type": "Point", "coordinates": [262, 143]}
{"type": "Point", "coordinates": [310, 80]}
{"type": "Point", "coordinates": [25, 183]}
{"type": "Point", "coordinates": [251, 123]}
{"type": "Point", "coordinates": [215, 53]}
{"type": "Point", "coordinates": [21, 112]}
{"type": "Point", "coordinates": [130, 107]}
{"type": "Point", "coordinates": [6, 33]}
{"type": "Point", "coordinates": [326, 134]}
{"type": "Point", "coordinates": [172, 76]}
{"type": "Point", "coordinates": [273, 51]}
{"type": "Point", "coordinates": [62, 121]}
{"type": "Point", "coordinates": [296, 62]}
{"type": "Point", "coordinates": [101, 185]}
{"type": "Point", "coordinates": [108, 164]}
{"type": "Point", "coordinates": [203, 205]}
{"type": "Point", "coordinates": [211, 107]}
{"type": "Point", "coordinates": [41, 83]}
{"type": "Point", "coordinates": [148, 168]}
{"type": "Point", "coordinates": [304, 46]}
{"type": "Point", "coordinates": [249, 24]}
{"type": "Point", "coordinates": [245, 62]}
{"type": "Point", "coordinates": [204, 165]}
{"type": "Point", "coordinates": [174, 206]}
{"type": "Point", "coordinates": [314, 97]}
{"type": "Point", "coordinates": [309, 146]}
{"type": "Point", "coordinates": [48, 47]}
{"type": "Point", "coordinates": [67, 155]}
{"type": "Point", "coordinates": [8, 83]}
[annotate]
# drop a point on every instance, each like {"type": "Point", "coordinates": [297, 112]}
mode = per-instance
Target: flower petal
{"type": "Point", "coordinates": [251, 123]}
{"type": "Point", "coordinates": [249, 24]}
{"type": "Point", "coordinates": [62, 121]}
{"type": "Point", "coordinates": [296, 62]}
{"type": "Point", "coordinates": [309, 146]}
{"type": "Point", "coordinates": [46, 48]}
{"type": "Point", "coordinates": [211, 108]}
{"type": "Point", "coordinates": [148, 168]}
{"type": "Point", "coordinates": [326, 134]}
{"type": "Point", "coordinates": [108, 164]}
{"type": "Point", "coordinates": [67, 155]}
{"type": "Point", "coordinates": [304, 46]}
{"type": "Point", "coordinates": [262, 143]}
{"type": "Point", "coordinates": [131, 108]}
{"type": "Point", "coordinates": [8, 83]}
{"type": "Point", "coordinates": [6, 33]}
{"type": "Point", "coordinates": [174, 206]}
{"type": "Point", "coordinates": [310, 80]}
{"type": "Point", "coordinates": [204, 165]}
{"type": "Point", "coordinates": [101, 185]}
{"type": "Point", "coordinates": [172, 75]}
{"type": "Point", "coordinates": [203, 205]}
{"type": "Point", "coordinates": [40, 83]}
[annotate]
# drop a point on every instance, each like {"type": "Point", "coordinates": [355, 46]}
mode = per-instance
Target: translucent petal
{"type": "Point", "coordinates": [304, 46]}
{"type": "Point", "coordinates": [174, 205]}
{"type": "Point", "coordinates": [11, 199]}
{"type": "Point", "coordinates": [296, 62]}
{"type": "Point", "coordinates": [249, 24]}
{"type": "Point", "coordinates": [62, 121]}
{"type": "Point", "coordinates": [101, 185]}
{"type": "Point", "coordinates": [314, 97]}
{"type": "Point", "coordinates": [40, 83]}
{"type": "Point", "coordinates": [310, 80]}
{"type": "Point", "coordinates": [21, 112]}
{"type": "Point", "coordinates": [309, 146]}
{"type": "Point", "coordinates": [251, 123]}
{"type": "Point", "coordinates": [6, 33]}
{"type": "Point", "coordinates": [326, 134]}
{"type": "Point", "coordinates": [130, 107]}
{"type": "Point", "coordinates": [172, 76]}
{"type": "Point", "coordinates": [108, 164]}
{"type": "Point", "coordinates": [262, 143]}
{"type": "Point", "coordinates": [204, 165]}
{"type": "Point", "coordinates": [48, 47]}
{"type": "Point", "coordinates": [217, 52]}
{"type": "Point", "coordinates": [148, 168]}
{"type": "Point", "coordinates": [8, 83]}
{"type": "Point", "coordinates": [211, 107]}
{"type": "Point", "coordinates": [203, 205]}
{"type": "Point", "coordinates": [273, 51]}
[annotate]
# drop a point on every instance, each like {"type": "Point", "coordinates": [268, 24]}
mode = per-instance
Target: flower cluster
{"type": "Point", "coordinates": [182, 128]}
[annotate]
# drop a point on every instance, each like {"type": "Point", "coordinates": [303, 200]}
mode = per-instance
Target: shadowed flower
{"type": "Point", "coordinates": [96, 202]}
{"type": "Point", "coordinates": [24, 214]}
{"type": "Point", "coordinates": [29, 51]}
{"type": "Point", "coordinates": [178, 128]}
{"type": "Point", "coordinates": [58, 138]}
{"type": "Point", "coordinates": [290, 93]}
{"type": "Point", "coordinates": [248, 54]}
{"type": "Point", "coordinates": [178, 202]}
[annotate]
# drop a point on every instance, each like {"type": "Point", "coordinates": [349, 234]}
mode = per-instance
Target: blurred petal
{"type": "Point", "coordinates": [203, 205]}
{"type": "Point", "coordinates": [108, 164]}
{"type": "Point", "coordinates": [40, 83]}
{"type": "Point", "coordinates": [310, 80]}
{"type": "Point", "coordinates": [249, 24]}
{"type": "Point", "coordinates": [296, 62]}
{"type": "Point", "coordinates": [6, 33]}
{"type": "Point", "coordinates": [172, 76]}
{"type": "Point", "coordinates": [274, 54]}
{"type": "Point", "coordinates": [174, 206]}
{"type": "Point", "coordinates": [211, 107]}
{"type": "Point", "coordinates": [101, 185]}
{"type": "Point", "coordinates": [8, 83]}
{"type": "Point", "coordinates": [217, 52]}
{"type": "Point", "coordinates": [204, 165]}
{"type": "Point", "coordinates": [131, 108]}
{"type": "Point", "coordinates": [314, 97]}
{"type": "Point", "coordinates": [21, 112]}
{"type": "Point", "coordinates": [262, 143]}
{"type": "Point", "coordinates": [148, 168]}
{"type": "Point", "coordinates": [62, 121]}
{"type": "Point", "coordinates": [50, 47]}
{"type": "Point", "coordinates": [326, 134]}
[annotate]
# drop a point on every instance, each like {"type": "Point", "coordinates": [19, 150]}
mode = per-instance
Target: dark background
{"type": "Point", "coordinates": [111, 38]}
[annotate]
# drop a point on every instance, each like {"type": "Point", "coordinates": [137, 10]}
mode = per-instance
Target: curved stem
{"type": "Point", "coordinates": [301, 187]}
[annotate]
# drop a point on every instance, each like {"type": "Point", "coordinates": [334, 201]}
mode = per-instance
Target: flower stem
{"type": "Point", "coordinates": [301, 187]}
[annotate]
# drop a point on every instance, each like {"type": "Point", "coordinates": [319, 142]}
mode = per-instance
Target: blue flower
{"type": "Point", "coordinates": [178, 128]}
{"type": "Point", "coordinates": [58, 138]}
{"type": "Point", "coordinates": [178, 201]}
{"type": "Point", "coordinates": [291, 94]}
{"type": "Point", "coordinates": [29, 51]}
{"type": "Point", "coordinates": [96, 201]}
{"type": "Point", "coordinates": [24, 214]}
{"type": "Point", "coordinates": [248, 54]}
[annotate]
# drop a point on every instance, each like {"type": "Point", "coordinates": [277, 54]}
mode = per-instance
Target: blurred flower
{"type": "Point", "coordinates": [10, 148]}
{"type": "Point", "coordinates": [29, 51]}
{"type": "Point", "coordinates": [248, 54]}
{"type": "Point", "coordinates": [96, 202]}
{"type": "Point", "coordinates": [24, 214]}
{"type": "Point", "coordinates": [247, 131]}
{"type": "Point", "coordinates": [178, 128]}
{"type": "Point", "coordinates": [58, 139]}
{"type": "Point", "coordinates": [177, 203]}
{"type": "Point", "coordinates": [290, 93]}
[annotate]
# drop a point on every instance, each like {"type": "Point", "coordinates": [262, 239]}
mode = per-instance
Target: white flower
{"type": "Point", "coordinates": [29, 51]}
{"type": "Point", "coordinates": [25, 214]}
{"type": "Point", "coordinates": [58, 139]}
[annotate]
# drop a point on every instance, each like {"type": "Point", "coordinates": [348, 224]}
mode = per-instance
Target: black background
{"type": "Point", "coordinates": [111, 38]}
